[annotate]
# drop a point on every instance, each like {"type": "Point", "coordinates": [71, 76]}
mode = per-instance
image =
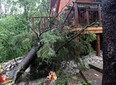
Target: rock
{"type": "Point", "coordinates": [93, 59]}
{"type": "Point", "coordinates": [8, 66]}
{"type": "Point", "coordinates": [1, 70]}
{"type": "Point", "coordinates": [69, 67]}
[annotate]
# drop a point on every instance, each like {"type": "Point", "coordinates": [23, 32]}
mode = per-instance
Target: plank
{"type": "Point", "coordinates": [97, 67]}
{"type": "Point", "coordinates": [95, 30]}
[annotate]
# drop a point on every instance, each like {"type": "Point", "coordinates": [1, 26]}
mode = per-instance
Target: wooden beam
{"type": "Point", "coordinates": [96, 68]}
{"type": "Point", "coordinates": [99, 14]}
{"type": "Point", "coordinates": [76, 14]}
{"type": "Point", "coordinates": [95, 30]}
{"type": "Point", "coordinates": [98, 45]}
{"type": "Point", "coordinates": [50, 6]}
{"type": "Point", "coordinates": [87, 17]}
{"type": "Point", "coordinates": [57, 5]}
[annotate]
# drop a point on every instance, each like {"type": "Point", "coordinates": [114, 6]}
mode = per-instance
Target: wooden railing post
{"type": "Point", "coordinates": [98, 45]}
{"type": "Point", "coordinates": [87, 17]}
{"type": "Point", "coordinates": [99, 14]}
{"type": "Point", "coordinates": [76, 13]}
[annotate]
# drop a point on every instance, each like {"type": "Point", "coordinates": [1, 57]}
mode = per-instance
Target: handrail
{"type": "Point", "coordinates": [87, 12]}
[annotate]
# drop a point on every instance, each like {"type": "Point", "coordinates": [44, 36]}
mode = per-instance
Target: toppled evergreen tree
{"type": "Point", "coordinates": [57, 44]}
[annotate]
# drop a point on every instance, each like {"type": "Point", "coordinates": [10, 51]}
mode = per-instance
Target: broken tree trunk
{"type": "Point", "coordinates": [109, 42]}
{"type": "Point", "coordinates": [25, 63]}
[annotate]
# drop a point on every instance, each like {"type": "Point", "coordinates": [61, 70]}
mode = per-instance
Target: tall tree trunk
{"type": "Point", "coordinates": [109, 42]}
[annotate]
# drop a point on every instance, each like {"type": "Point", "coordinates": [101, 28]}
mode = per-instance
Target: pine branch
{"type": "Point", "coordinates": [67, 16]}
{"type": "Point", "coordinates": [54, 18]}
{"type": "Point", "coordinates": [76, 35]}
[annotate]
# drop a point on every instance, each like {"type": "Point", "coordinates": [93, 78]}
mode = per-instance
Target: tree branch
{"type": "Point", "coordinates": [73, 37]}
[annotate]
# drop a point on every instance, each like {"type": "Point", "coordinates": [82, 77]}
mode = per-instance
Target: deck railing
{"type": "Point", "coordinates": [41, 24]}
{"type": "Point", "coordinates": [86, 13]}
{"type": "Point", "coordinates": [83, 13]}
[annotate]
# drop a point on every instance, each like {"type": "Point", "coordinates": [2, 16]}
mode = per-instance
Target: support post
{"type": "Point", "coordinates": [99, 14]}
{"type": "Point", "coordinates": [98, 45]}
{"type": "Point", "coordinates": [87, 17]}
{"type": "Point", "coordinates": [76, 14]}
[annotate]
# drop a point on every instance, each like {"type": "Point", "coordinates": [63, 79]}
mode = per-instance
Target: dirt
{"type": "Point", "coordinates": [93, 76]}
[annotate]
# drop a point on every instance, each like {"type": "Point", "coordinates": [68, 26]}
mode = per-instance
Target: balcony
{"type": "Point", "coordinates": [86, 13]}
{"type": "Point", "coordinates": [82, 14]}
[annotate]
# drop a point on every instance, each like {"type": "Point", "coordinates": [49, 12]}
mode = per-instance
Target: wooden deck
{"type": "Point", "coordinates": [94, 30]}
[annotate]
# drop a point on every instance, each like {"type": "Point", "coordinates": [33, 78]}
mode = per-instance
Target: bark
{"type": "Point", "coordinates": [33, 67]}
{"type": "Point", "coordinates": [109, 42]}
{"type": "Point", "coordinates": [25, 63]}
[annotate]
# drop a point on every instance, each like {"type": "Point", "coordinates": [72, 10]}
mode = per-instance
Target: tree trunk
{"type": "Point", "coordinates": [25, 63]}
{"type": "Point", "coordinates": [109, 42]}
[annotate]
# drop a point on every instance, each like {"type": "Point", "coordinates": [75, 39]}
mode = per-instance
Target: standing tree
{"type": "Point", "coordinates": [109, 46]}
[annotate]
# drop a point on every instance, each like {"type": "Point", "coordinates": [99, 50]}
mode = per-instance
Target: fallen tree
{"type": "Point", "coordinates": [20, 69]}
{"type": "Point", "coordinates": [27, 61]}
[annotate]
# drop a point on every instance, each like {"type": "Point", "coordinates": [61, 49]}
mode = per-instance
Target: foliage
{"type": "Point", "coordinates": [62, 79]}
{"type": "Point", "coordinates": [14, 46]}
{"type": "Point", "coordinates": [16, 37]}
{"type": "Point", "coordinates": [48, 38]}
{"type": "Point", "coordinates": [54, 39]}
{"type": "Point", "coordinates": [84, 44]}
{"type": "Point", "coordinates": [40, 83]}
{"type": "Point", "coordinates": [9, 42]}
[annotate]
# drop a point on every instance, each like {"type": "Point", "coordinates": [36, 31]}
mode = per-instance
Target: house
{"type": "Point", "coordinates": [85, 12]}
